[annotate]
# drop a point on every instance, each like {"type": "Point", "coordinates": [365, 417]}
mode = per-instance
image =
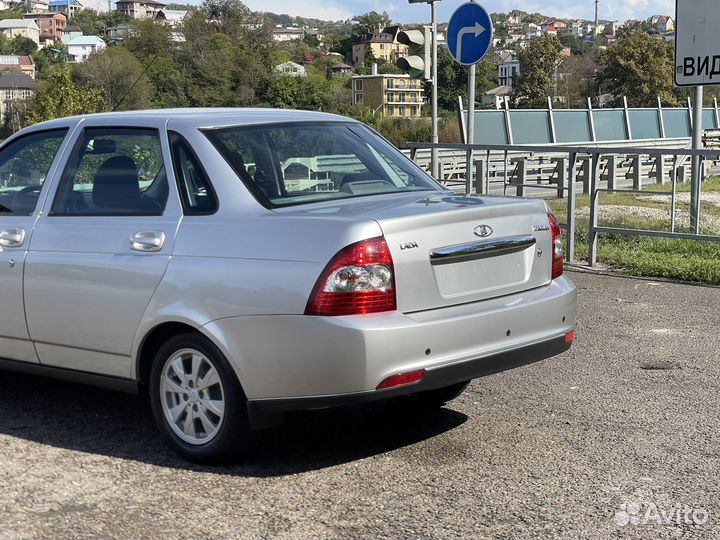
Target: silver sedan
{"type": "Point", "coordinates": [234, 264]}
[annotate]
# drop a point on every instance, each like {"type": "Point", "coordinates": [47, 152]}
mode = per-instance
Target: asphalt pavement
{"type": "Point", "coordinates": [617, 438]}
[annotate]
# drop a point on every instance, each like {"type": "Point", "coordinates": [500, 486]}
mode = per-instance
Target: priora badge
{"type": "Point", "coordinates": [483, 231]}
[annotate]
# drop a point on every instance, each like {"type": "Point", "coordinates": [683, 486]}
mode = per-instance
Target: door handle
{"type": "Point", "coordinates": [12, 238]}
{"type": "Point", "coordinates": [147, 241]}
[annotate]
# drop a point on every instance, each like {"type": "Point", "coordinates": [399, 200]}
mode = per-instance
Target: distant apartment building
{"type": "Point", "coordinates": [508, 69]}
{"type": "Point", "coordinates": [139, 9]}
{"type": "Point", "coordinates": [20, 64]}
{"type": "Point", "coordinates": [80, 48]}
{"type": "Point", "coordinates": [61, 6]}
{"type": "Point", "coordinates": [280, 33]}
{"type": "Point", "coordinates": [384, 46]}
{"type": "Point", "coordinates": [14, 87]}
{"type": "Point", "coordinates": [12, 28]}
{"type": "Point", "coordinates": [38, 6]}
{"type": "Point", "coordinates": [51, 25]}
{"type": "Point", "coordinates": [389, 95]}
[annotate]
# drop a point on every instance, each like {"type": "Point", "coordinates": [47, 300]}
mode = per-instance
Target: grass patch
{"type": "Point", "coordinates": [653, 257]}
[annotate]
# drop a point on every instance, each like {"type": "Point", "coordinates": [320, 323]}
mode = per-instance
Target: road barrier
{"type": "Point", "coordinates": [523, 170]}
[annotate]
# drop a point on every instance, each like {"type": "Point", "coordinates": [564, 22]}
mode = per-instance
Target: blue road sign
{"type": "Point", "coordinates": [469, 33]}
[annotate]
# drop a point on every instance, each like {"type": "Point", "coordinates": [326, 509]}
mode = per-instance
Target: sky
{"type": "Point", "coordinates": [403, 12]}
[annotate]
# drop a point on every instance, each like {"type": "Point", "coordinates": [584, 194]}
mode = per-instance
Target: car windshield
{"type": "Point", "coordinates": [310, 162]}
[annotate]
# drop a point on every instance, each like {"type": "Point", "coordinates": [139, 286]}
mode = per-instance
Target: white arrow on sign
{"type": "Point", "coordinates": [476, 30]}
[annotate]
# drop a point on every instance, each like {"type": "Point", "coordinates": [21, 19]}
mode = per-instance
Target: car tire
{"type": "Point", "coordinates": [434, 399]}
{"type": "Point", "coordinates": [197, 401]}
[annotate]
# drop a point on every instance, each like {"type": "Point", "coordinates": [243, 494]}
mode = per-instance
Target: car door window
{"type": "Point", "coordinates": [196, 191]}
{"type": "Point", "coordinates": [114, 171]}
{"type": "Point", "coordinates": [24, 165]}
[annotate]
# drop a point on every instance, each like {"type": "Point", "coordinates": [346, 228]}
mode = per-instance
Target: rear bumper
{"type": "Point", "coordinates": [434, 378]}
{"type": "Point", "coordinates": [293, 358]}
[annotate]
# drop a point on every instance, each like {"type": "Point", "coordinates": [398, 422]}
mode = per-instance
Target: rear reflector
{"type": "Point", "coordinates": [401, 379]}
{"type": "Point", "coordinates": [569, 337]}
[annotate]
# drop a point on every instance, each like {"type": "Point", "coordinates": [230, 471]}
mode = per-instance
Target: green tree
{"type": "Point", "coordinates": [148, 38]}
{"type": "Point", "coordinates": [119, 77]}
{"type": "Point", "coordinates": [453, 80]}
{"type": "Point", "coordinates": [93, 23]}
{"type": "Point", "coordinates": [538, 62]}
{"type": "Point", "coordinates": [641, 68]}
{"type": "Point", "coordinates": [576, 80]}
{"type": "Point", "coordinates": [230, 17]}
{"type": "Point", "coordinates": [5, 45]}
{"type": "Point", "coordinates": [372, 22]}
{"type": "Point", "coordinates": [285, 92]}
{"type": "Point", "coordinates": [168, 84]}
{"type": "Point", "coordinates": [23, 46]}
{"type": "Point", "coordinates": [59, 97]}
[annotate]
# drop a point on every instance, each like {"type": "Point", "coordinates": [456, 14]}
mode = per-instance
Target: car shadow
{"type": "Point", "coordinates": [96, 421]}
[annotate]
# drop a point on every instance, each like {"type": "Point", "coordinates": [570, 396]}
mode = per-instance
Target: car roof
{"type": "Point", "coordinates": [203, 117]}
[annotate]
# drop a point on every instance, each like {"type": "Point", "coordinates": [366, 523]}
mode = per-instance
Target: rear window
{"type": "Point", "coordinates": [304, 163]}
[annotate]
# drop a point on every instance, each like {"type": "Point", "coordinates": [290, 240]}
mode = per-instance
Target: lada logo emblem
{"type": "Point", "coordinates": [483, 231]}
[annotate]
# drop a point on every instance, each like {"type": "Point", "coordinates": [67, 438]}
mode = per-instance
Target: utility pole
{"type": "Point", "coordinates": [595, 30]}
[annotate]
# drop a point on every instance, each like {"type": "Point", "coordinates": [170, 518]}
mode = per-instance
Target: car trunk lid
{"type": "Point", "coordinates": [453, 250]}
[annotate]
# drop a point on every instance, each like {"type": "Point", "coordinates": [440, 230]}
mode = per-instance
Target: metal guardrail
{"type": "Point", "coordinates": [591, 158]}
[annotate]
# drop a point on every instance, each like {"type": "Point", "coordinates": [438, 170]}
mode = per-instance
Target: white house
{"type": "Point", "coordinates": [14, 87]}
{"type": "Point", "coordinates": [496, 97]}
{"type": "Point", "coordinates": [291, 68]}
{"type": "Point", "coordinates": [81, 47]}
{"type": "Point", "coordinates": [508, 69]}
{"type": "Point", "coordinates": [70, 33]}
{"type": "Point", "coordinates": [172, 17]}
{"type": "Point", "coordinates": [139, 9]}
{"type": "Point", "coordinates": [12, 28]}
{"type": "Point", "coordinates": [280, 33]}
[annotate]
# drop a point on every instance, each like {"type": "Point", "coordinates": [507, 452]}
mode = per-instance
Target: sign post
{"type": "Point", "coordinates": [469, 37]}
{"type": "Point", "coordinates": [697, 63]}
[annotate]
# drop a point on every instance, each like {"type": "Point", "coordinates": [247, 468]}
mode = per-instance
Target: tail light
{"type": "Point", "coordinates": [359, 279]}
{"type": "Point", "coordinates": [557, 246]}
